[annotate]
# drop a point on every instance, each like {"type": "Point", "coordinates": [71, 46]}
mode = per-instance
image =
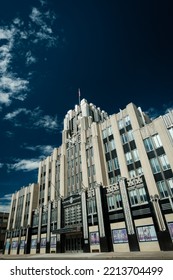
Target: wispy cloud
{"type": "Point", "coordinates": [34, 119]}
{"type": "Point", "coordinates": [14, 114]}
{"type": "Point", "coordinates": [11, 85]}
{"type": "Point", "coordinates": [30, 59]}
{"type": "Point", "coordinates": [16, 42]}
{"type": "Point", "coordinates": [47, 122]}
{"type": "Point", "coordinates": [9, 134]}
{"type": "Point", "coordinates": [153, 112]}
{"type": "Point", "coordinates": [43, 28]}
{"type": "Point", "coordinates": [23, 165]}
{"type": "Point", "coordinates": [5, 203]}
{"type": "Point", "coordinates": [31, 164]}
{"type": "Point", "coordinates": [45, 150]}
{"type": "Point", "coordinates": [1, 165]}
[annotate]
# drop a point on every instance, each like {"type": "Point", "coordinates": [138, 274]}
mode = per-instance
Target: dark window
{"type": "Point", "coordinates": [126, 148]}
{"type": "Point", "coordinates": [151, 155]}
{"type": "Point", "coordinates": [158, 177]}
{"type": "Point", "coordinates": [132, 145]}
{"type": "Point", "coordinates": [160, 151]}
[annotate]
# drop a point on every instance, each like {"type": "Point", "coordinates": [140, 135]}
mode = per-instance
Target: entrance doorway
{"type": "Point", "coordinates": [73, 243]}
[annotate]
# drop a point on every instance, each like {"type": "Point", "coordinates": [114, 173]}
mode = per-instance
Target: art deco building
{"type": "Point", "coordinates": [108, 187]}
{"type": "Point", "coordinates": [3, 227]}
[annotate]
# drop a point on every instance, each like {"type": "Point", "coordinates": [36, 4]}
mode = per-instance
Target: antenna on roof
{"type": "Point", "coordinates": [79, 95]}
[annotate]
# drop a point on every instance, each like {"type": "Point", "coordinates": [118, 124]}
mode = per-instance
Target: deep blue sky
{"type": "Point", "coordinates": [116, 52]}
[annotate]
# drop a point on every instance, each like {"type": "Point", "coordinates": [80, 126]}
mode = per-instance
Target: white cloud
{"type": "Point", "coordinates": [11, 86]}
{"type": "Point", "coordinates": [36, 16]}
{"type": "Point", "coordinates": [5, 58]}
{"type": "Point", "coordinates": [6, 197]}
{"type": "Point", "coordinates": [43, 2]}
{"type": "Point", "coordinates": [30, 59]}
{"type": "Point", "coordinates": [5, 203]}
{"type": "Point", "coordinates": [35, 119]}
{"type": "Point", "coordinates": [12, 115]}
{"type": "Point", "coordinates": [47, 122]}
{"type": "Point", "coordinates": [18, 38]}
{"type": "Point", "coordinates": [1, 165]}
{"type": "Point", "coordinates": [24, 165]}
{"type": "Point", "coordinates": [5, 98]}
{"type": "Point", "coordinates": [43, 32]}
{"type": "Point", "coordinates": [9, 134]}
{"type": "Point", "coordinates": [154, 112]}
{"type": "Point", "coordinates": [45, 150]}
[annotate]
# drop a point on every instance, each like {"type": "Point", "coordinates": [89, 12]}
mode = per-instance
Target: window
{"type": "Point", "coordinates": [127, 120]}
{"type": "Point", "coordinates": [128, 158]}
{"type": "Point", "coordinates": [142, 195]}
{"type": "Point", "coordinates": [116, 164]}
{"type": "Point", "coordinates": [137, 196]}
{"type": "Point", "coordinates": [171, 132]}
{"type": "Point", "coordinates": [44, 218]}
{"type": "Point", "coordinates": [132, 173]}
{"type": "Point", "coordinates": [146, 233]}
{"type": "Point", "coordinates": [106, 147]}
{"type": "Point", "coordinates": [164, 162]}
{"type": "Point", "coordinates": [139, 171]}
{"type": "Point", "coordinates": [119, 236]}
{"type": "Point", "coordinates": [73, 214]}
{"type": "Point", "coordinates": [133, 197]}
{"type": "Point", "coordinates": [135, 155]}
{"type": "Point", "coordinates": [109, 164]}
{"type": "Point", "coordinates": [155, 165]}
{"type": "Point", "coordinates": [91, 152]}
{"type": "Point", "coordinates": [114, 201]}
{"type": "Point", "coordinates": [148, 144]}
{"type": "Point", "coordinates": [124, 138]}
{"type": "Point", "coordinates": [104, 133]}
{"type": "Point", "coordinates": [161, 185]}
{"type": "Point", "coordinates": [157, 141]}
{"type": "Point", "coordinates": [130, 135]}
{"type": "Point", "coordinates": [170, 184]}
{"type": "Point", "coordinates": [109, 129]}
{"type": "Point", "coordinates": [112, 144]}
{"type": "Point", "coordinates": [112, 180]}
{"type": "Point", "coordinates": [107, 132]}
{"type": "Point", "coordinates": [120, 124]}
{"type": "Point", "coordinates": [35, 220]}
{"type": "Point", "coordinates": [91, 170]}
{"type": "Point", "coordinates": [91, 206]}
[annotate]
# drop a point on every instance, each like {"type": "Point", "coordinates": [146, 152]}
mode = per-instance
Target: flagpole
{"type": "Point", "coordinates": [79, 95]}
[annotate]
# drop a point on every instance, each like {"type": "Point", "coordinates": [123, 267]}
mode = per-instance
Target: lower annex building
{"type": "Point", "coordinates": [108, 187]}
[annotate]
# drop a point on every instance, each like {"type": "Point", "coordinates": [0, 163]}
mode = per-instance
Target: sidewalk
{"type": "Point", "coordinates": [166, 255]}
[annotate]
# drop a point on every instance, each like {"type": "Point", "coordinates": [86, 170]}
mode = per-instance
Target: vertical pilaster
{"type": "Point", "coordinates": [133, 242]}
{"type": "Point", "coordinates": [48, 228]}
{"type": "Point", "coordinates": [86, 247]}
{"type": "Point", "coordinates": [39, 230]}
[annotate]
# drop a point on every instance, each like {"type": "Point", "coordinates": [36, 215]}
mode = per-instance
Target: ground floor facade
{"type": "Point", "coordinates": [101, 219]}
